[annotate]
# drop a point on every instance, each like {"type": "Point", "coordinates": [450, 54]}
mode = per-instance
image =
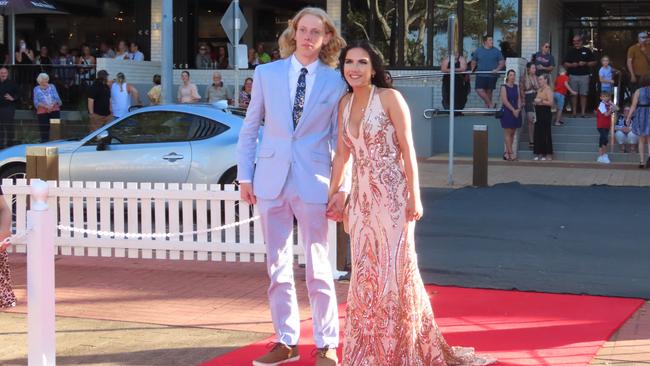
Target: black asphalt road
{"type": "Point", "coordinates": [581, 240]}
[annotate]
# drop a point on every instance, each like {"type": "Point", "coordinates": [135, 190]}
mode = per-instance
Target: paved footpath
{"type": "Point", "coordinates": [159, 312]}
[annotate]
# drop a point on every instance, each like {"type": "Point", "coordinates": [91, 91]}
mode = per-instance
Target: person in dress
{"type": "Point", "coordinates": [640, 111]}
{"type": "Point", "coordinates": [543, 149]}
{"type": "Point", "coordinates": [245, 93]}
{"type": "Point", "coordinates": [187, 92]}
{"type": "Point", "coordinates": [529, 89]}
{"type": "Point", "coordinates": [7, 297]}
{"type": "Point", "coordinates": [389, 316]}
{"type": "Point", "coordinates": [511, 119]}
{"type": "Point", "coordinates": [122, 93]}
{"type": "Point", "coordinates": [47, 104]}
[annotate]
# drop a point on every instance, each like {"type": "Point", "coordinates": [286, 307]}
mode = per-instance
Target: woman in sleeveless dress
{"type": "Point", "coordinates": [640, 111]}
{"type": "Point", "coordinates": [511, 119]}
{"type": "Point", "coordinates": [530, 86]}
{"type": "Point", "coordinates": [7, 297]}
{"type": "Point", "coordinates": [389, 317]}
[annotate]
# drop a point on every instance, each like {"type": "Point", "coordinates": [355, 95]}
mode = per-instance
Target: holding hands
{"type": "Point", "coordinates": [336, 206]}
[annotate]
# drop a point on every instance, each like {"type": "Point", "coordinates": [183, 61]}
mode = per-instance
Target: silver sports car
{"type": "Point", "coordinates": [189, 143]}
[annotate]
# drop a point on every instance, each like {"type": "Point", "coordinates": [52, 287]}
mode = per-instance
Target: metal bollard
{"type": "Point", "coordinates": [40, 279]}
{"type": "Point", "coordinates": [480, 172]}
{"type": "Point", "coordinates": [42, 163]}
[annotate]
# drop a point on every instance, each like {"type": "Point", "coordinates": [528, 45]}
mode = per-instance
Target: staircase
{"type": "Point", "coordinates": [575, 141]}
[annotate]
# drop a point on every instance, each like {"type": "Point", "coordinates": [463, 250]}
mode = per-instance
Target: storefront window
{"type": "Point", "coordinates": [441, 12]}
{"type": "Point", "coordinates": [90, 24]}
{"type": "Point", "coordinates": [506, 26]}
{"type": "Point", "coordinates": [373, 21]}
{"type": "Point", "coordinates": [423, 32]}
{"type": "Point", "coordinates": [475, 24]}
{"type": "Point", "coordinates": [416, 15]}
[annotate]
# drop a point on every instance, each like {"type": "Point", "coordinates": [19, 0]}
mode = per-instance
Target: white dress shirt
{"type": "Point", "coordinates": [294, 73]}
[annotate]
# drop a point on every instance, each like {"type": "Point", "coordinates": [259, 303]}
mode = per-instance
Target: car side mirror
{"type": "Point", "coordinates": [103, 139]}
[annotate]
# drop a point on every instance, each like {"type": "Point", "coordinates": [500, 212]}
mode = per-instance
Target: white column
{"type": "Point", "coordinates": [40, 280]}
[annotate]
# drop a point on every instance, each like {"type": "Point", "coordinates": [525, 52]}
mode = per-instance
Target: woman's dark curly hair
{"type": "Point", "coordinates": [376, 61]}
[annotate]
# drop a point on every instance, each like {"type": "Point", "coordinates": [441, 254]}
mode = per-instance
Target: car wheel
{"type": "Point", "coordinates": [229, 177]}
{"type": "Point", "coordinates": [14, 172]}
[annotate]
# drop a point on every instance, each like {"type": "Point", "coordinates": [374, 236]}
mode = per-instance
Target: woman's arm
{"type": "Point", "coordinates": [134, 92]}
{"type": "Point", "coordinates": [635, 101]}
{"type": "Point", "coordinates": [398, 112]}
{"type": "Point", "coordinates": [196, 97]}
{"type": "Point", "coordinates": [342, 157]}
{"type": "Point", "coordinates": [5, 221]}
{"type": "Point", "coordinates": [444, 65]}
{"type": "Point", "coordinates": [463, 64]}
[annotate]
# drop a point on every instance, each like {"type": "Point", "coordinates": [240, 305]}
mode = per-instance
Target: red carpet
{"type": "Point", "coordinates": [519, 328]}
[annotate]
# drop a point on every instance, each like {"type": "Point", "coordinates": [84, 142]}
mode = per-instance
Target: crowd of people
{"type": "Point", "coordinates": [217, 57]}
{"type": "Point", "coordinates": [538, 92]}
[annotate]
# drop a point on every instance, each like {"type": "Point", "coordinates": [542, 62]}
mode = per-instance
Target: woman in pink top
{"type": "Point", "coordinates": [187, 92]}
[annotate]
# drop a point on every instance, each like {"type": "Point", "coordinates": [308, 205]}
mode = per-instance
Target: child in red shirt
{"type": "Point", "coordinates": [603, 123]}
{"type": "Point", "coordinates": [561, 88]}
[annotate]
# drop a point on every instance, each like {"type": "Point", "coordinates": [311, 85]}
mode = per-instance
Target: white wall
{"type": "Point", "coordinates": [550, 28]}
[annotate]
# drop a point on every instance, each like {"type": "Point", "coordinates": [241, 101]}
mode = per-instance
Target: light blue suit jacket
{"type": "Point", "coordinates": [305, 152]}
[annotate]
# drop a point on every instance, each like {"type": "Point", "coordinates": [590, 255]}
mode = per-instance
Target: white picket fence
{"type": "Point", "coordinates": [147, 208]}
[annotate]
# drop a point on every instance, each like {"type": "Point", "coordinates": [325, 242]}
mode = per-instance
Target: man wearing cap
{"type": "Point", "coordinates": [638, 59]}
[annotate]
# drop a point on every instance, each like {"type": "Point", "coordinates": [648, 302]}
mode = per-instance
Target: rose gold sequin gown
{"type": "Point", "coordinates": [389, 317]}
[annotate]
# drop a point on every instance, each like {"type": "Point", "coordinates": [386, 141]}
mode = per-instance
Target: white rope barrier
{"type": "Point", "coordinates": [153, 235]}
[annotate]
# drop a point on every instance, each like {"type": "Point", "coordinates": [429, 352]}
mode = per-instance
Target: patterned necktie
{"type": "Point", "coordinates": [299, 101]}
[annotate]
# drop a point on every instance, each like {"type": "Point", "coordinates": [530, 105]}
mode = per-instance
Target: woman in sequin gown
{"type": "Point", "coordinates": [7, 297]}
{"type": "Point", "coordinates": [389, 317]}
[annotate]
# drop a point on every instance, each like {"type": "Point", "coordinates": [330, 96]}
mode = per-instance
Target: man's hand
{"type": "Point", "coordinates": [246, 191]}
{"type": "Point", "coordinates": [335, 206]}
{"type": "Point", "coordinates": [633, 78]}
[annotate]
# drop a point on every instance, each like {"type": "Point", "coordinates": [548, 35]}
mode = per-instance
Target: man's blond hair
{"type": "Point", "coordinates": [329, 53]}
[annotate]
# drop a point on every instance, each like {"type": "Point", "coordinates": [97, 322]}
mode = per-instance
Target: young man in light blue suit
{"type": "Point", "coordinates": [297, 98]}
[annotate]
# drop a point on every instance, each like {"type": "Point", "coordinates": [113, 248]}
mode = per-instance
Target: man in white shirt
{"type": "Point", "coordinates": [135, 53]}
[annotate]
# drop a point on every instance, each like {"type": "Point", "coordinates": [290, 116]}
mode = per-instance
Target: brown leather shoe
{"type": "Point", "coordinates": [279, 355]}
{"type": "Point", "coordinates": [326, 357]}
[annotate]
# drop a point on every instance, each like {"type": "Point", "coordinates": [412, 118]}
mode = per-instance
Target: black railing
{"type": "Point", "coordinates": [71, 82]}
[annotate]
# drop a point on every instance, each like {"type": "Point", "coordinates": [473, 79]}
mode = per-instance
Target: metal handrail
{"type": "Point", "coordinates": [429, 113]}
{"type": "Point", "coordinates": [443, 73]}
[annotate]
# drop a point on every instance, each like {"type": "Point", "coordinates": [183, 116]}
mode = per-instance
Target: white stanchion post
{"type": "Point", "coordinates": [40, 279]}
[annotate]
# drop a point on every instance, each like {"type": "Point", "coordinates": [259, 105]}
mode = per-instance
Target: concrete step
{"type": "Point", "coordinates": [564, 138]}
{"type": "Point", "coordinates": [616, 157]}
{"type": "Point", "coordinates": [591, 146]}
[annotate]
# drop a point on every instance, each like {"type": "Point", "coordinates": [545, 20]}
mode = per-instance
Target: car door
{"type": "Point", "coordinates": [151, 146]}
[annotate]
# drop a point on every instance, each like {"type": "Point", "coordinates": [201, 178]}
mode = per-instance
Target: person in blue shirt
{"type": "Point", "coordinates": [487, 58]}
{"type": "Point", "coordinates": [606, 75]}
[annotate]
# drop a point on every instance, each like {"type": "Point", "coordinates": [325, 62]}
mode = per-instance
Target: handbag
{"type": "Point", "coordinates": [499, 114]}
